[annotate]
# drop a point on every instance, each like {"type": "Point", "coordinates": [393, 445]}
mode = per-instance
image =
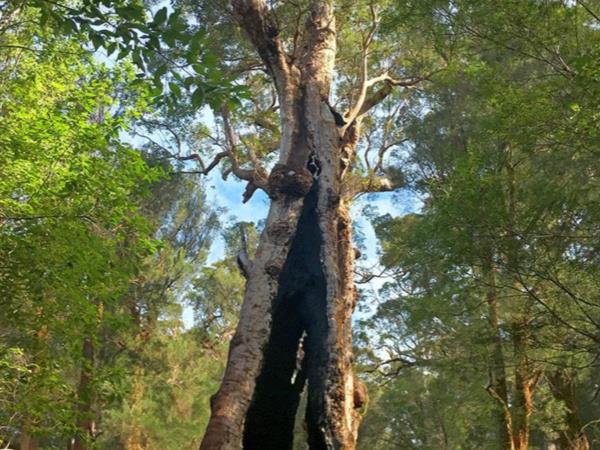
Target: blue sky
{"type": "Point", "coordinates": [228, 194]}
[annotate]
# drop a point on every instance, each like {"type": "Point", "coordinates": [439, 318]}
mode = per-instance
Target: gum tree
{"type": "Point", "coordinates": [294, 331]}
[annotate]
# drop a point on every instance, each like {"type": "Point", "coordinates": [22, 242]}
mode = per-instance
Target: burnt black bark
{"type": "Point", "coordinates": [298, 308]}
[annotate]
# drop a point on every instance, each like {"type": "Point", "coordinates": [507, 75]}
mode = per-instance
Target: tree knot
{"type": "Point", "coordinates": [287, 180]}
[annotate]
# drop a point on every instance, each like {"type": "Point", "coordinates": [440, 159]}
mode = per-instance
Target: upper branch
{"type": "Point", "coordinates": [257, 21]}
{"type": "Point", "coordinates": [589, 10]}
{"type": "Point", "coordinates": [318, 47]}
{"type": "Point", "coordinates": [382, 93]}
{"type": "Point", "coordinates": [257, 176]}
{"type": "Point", "coordinates": [364, 63]}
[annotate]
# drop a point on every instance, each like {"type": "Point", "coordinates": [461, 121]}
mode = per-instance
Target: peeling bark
{"type": "Point", "coordinates": [231, 402]}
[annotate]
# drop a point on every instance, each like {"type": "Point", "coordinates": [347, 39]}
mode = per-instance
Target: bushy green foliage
{"type": "Point", "coordinates": [102, 243]}
{"type": "Point", "coordinates": [505, 161]}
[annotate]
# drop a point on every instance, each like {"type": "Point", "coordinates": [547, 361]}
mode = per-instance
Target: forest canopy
{"type": "Point", "coordinates": [291, 224]}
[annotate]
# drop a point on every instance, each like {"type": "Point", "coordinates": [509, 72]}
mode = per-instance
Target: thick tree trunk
{"type": "Point", "coordinates": [300, 282]}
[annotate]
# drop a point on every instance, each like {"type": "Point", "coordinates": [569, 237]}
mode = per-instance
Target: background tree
{"type": "Point", "coordinates": [79, 235]}
{"type": "Point", "coordinates": [496, 158]}
{"type": "Point", "coordinates": [67, 184]}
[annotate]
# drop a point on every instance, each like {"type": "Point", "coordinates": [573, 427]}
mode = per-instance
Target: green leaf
{"type": "Point", "coordinates": [69, 26]}
{"type": "Point", "coordinates": [160, 71]}
{"type": "Point", "coordinates": [111, 48]}
{"type": "Point", "coordinates": [130, 12]}
{"type": "Point", "coordinates": [161, 16]}
{"type": "Point", "coordinates": [170, 36]}
{"type": "Point", "coordinates": [188, 82]}
{"type": "Point", "coordinates": [97, 41]}
{"type": "Point", "coordinates": [136, 57]}
{"type": "Point", "coordinates": [175, 89]}
{"type": "Point", "coordinates": [198, 97]}
{"type": "Point", "coordinates": [123, 52]}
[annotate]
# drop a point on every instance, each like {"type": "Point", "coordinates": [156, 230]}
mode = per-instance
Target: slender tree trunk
{"type": "Point", "coordinates": [524, 375]}
{"type": "Point", "coordinates": [498, 386]}
{"type": "Point", "coordinates": [40, 347]}
{"type": "Point", "coordinates": [85, 422]}
{"type": "Point", "coordinates": [523, 392]}
{"type": "Point", "coordinates": [134, 439]}
{"type": "Point", "coordinates": [444, 440]}
{"type": "Point", "coordinates": [423, 436]}
{"type": "Point", "coordinates": [27, 442]}
{"type": "Point", "coordinates": [563, 389]}
{"type": "Point", "coordinates": [301, 278]}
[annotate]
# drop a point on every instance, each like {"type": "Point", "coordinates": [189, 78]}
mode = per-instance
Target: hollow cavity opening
{"type": "Point", "coordinates": [296, 352]}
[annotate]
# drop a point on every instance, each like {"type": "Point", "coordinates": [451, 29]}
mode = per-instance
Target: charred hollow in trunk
{"type": "Point", "coordinates": [289, 361]}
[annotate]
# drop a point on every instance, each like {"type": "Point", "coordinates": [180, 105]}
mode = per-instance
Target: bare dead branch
{"type": "Point", "coordinates": [216, 160]}
{"type": "Point", "coordinates": [257, 176]}
{"type": "Point", "coordinates": [368, 149]}
{"type": "Point", "coordinates": [378, 168]}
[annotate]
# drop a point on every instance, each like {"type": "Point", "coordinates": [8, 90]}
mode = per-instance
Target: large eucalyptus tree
{"type": "Point", "coordinates": [294, 331]}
